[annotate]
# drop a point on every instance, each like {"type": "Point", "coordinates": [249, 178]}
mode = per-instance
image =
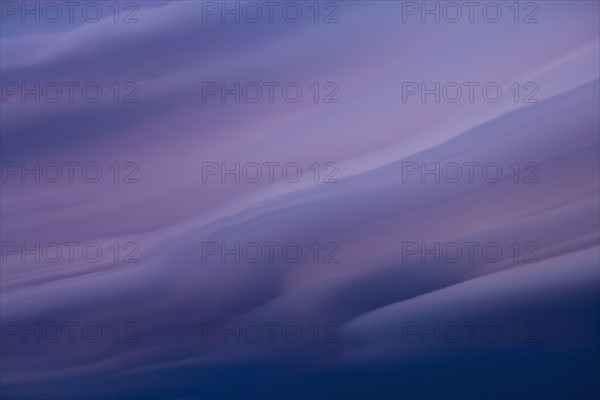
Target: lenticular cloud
{"type": "Point", "coordinates": [370, 308]}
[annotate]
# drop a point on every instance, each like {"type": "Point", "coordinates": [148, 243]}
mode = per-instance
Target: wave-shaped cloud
{"type": "Point", "coordinates": [372, 300]}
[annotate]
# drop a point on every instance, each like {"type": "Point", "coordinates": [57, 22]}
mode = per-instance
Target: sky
{"type": "Point", "coordinates": [351, 199]}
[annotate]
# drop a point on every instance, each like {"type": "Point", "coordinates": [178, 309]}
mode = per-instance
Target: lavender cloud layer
{"type": "Point", "coordinates": [170, 293]}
